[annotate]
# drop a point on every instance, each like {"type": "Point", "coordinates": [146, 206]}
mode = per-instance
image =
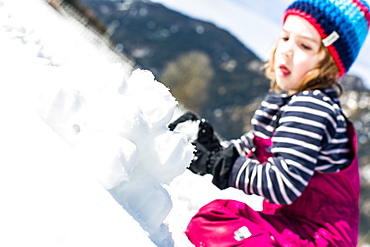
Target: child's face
{"type": "Point", "coordinates": [297, 53]}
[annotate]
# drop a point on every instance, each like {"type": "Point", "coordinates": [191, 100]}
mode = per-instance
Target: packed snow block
{"type": "Point", "coordinates": [114, 113]}
{"type": "Point", "coordinates": [63, 112]}
{"type": "Point", "coordinates": [168, 157]}
{"type": "Point", "coordinates": [144, 198]}
{"type": "Point", "coordinates": [155, 101]}
{"type": "Point", "coordinates": [163, 154]}
{"type": "Point", "coordinates": [111, 157]}
{"type": "Point", "coordinates": [83, 99]}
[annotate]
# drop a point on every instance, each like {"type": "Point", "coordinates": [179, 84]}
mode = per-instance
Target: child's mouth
{"type": "Point", "coordinates": [284, 71]}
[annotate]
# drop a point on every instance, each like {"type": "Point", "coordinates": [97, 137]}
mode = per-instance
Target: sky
{"type": "Point", "coordinates": [256, 24]}
{"type": "Point", "coordinates": [86, 157]}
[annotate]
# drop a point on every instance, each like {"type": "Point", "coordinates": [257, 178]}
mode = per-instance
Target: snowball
{"type": "Point", "coordinates": [189, 128]}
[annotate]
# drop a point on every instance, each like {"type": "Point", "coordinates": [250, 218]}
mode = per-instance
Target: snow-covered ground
{"type": "Point", "coordinates": [86, 159]}
{"type": "Point", "coordinates": [256, 24]}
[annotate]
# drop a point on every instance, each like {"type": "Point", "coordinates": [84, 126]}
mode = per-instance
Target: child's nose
{"type": "Point", "coordinates": [287, 49]}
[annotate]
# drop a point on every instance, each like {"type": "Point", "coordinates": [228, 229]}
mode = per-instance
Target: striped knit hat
{"type": "Point", "coordinates": [342, 25]}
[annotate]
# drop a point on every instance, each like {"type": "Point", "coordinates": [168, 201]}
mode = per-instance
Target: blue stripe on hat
{"type": "Point", "coordinates": [342, 17]}
{"type": "Point", "coordinates": [354, 18]}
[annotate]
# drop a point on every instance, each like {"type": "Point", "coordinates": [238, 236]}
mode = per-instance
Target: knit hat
{"type": "Point", "coordinates": [342, 25]}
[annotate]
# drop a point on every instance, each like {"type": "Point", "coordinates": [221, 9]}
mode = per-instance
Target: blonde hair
{"type": "Point", "coordinates": [325, 75]}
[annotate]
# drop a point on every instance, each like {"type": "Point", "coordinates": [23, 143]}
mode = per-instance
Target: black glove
{"type": "Point", "coordinates": [206, 135]}
{"type": "Point", "coordinates": [187, 116]}
{"type": "Point", "coordinates": [210, 157]}
{"type": "Point", "coordinates": [218, 163]}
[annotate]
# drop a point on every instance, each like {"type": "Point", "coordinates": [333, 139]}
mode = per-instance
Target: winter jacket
{"type": "Point", "coordinates": [308, 133]}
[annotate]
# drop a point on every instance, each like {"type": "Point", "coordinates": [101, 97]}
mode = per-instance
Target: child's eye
{"type": "Point", "coordinates": [285, 38]}
{"type": "Point", "coordinates": [306, 47]}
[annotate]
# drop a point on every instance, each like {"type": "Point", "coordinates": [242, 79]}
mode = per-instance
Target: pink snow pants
{"type": "Point", "coordinates": [325, 215]}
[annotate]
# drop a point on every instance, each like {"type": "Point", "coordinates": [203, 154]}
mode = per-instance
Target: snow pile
{"type": "Point", "coordinates": [48, 197]}
{"type": "Point", "coordinates": [86, 158]}
{"type": "Point", "coordinates": [119, 130]}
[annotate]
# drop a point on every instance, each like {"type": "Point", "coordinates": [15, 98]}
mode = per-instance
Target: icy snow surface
{"type": "Point", "coordinates": [86, 158]}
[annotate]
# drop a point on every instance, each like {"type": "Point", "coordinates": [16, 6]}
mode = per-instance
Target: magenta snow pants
{"type": "Point", "coordinates": [326, 214]}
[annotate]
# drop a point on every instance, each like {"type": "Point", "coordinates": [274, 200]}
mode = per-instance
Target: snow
{"type": "Point", "coordinates": [86, 157]}
{"type": "Point", "coordinates": [256, 24]}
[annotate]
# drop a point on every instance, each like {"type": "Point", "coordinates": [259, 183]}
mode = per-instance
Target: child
{"type": "Point", "coordinates": [301, 154]}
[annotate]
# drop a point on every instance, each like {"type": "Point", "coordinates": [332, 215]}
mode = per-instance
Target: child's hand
{"type": "Point", "coordinates": [204, 134]}
{"type": "Point", "coordinates": [218, 163]}
{"type": "Point", "coordinates": [186, 117]}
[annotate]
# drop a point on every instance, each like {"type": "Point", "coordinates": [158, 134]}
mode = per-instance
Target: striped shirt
{"type": "Point", "coordinates": [308, 132]}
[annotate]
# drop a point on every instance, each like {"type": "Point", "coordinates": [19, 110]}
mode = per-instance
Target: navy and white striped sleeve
{"type": "Point", "coordinates": [307, 122]}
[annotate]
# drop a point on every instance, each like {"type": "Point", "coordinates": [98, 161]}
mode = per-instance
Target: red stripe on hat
{"type": "Point", "coordinates": [363, 8]}
{"type": "Point", "coordinates": [309, 18]}
{"type": "Point", "coordinates": [338, 61]}
{"type": "Point", "coordinates": [323, 35]}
